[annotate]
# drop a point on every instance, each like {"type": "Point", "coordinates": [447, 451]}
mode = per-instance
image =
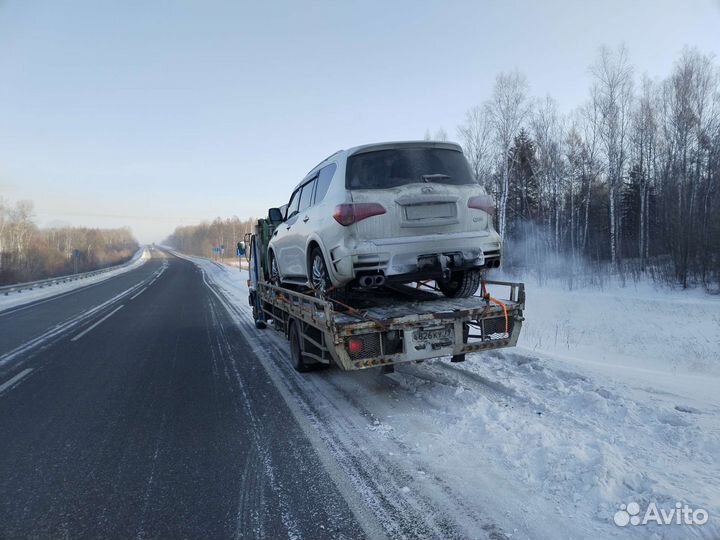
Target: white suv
{"type": "Point", "coordinates": [391, 212]}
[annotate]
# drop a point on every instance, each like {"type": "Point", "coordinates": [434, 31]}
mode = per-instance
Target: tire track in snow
{"type": "Point", "coordinates": [224, 351]}
{"type": "Point", "coordinates": [380, 481]}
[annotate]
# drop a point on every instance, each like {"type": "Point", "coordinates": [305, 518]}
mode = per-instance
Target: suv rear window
{"type": "Point", "coordinates": [399, 166]}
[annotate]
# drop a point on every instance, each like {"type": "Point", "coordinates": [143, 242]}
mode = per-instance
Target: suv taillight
{"type": "Point", "coordinates": [347, 214]}
{"type": "Point", "coordinates": [482, 202]}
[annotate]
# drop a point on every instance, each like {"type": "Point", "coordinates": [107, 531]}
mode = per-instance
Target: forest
{"type": "Point", "coordinates": [202, 238]}
{"type": "Point", "coordinates": [625, 185]}
{"type": "Point", "coordinates": [29, 253]}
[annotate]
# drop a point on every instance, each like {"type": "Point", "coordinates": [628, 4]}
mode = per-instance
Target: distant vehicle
{"type": "Point", "coordinates": [390, 212]}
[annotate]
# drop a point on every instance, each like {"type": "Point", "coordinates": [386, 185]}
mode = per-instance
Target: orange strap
{"type": "Point", "coordinates": [486, 296]}
{"type": "Point", "coordinates": [504, 308]}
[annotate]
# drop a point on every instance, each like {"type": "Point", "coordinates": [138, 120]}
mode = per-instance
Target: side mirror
{"type": "Point", "coordinates": [240, 249]}
{"type": "Point", "coordinates": [275, 215]}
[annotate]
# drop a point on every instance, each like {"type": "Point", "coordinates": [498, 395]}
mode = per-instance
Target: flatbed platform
{"type": "Point", "coordinates": [397, 324]}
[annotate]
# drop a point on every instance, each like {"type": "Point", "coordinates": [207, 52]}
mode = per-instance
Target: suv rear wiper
{"type": "Point", "coordinates": [436, 177]}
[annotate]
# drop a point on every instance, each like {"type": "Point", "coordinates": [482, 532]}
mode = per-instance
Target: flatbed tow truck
{"type": "Point", "coordinates": [382, 327]}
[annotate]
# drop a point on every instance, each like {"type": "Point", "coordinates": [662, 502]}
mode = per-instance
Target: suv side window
{"type": "Point", "coordinates": [323, 182]}
{"type": "Point", "coordinates": [307, 195]}
{"type": "Point", "coordinates": [292, 208]}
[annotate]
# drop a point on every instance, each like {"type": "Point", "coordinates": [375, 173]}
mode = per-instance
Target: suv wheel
{"type": "Point", "coordinates": [274, 272]}
{"type": "Point", "coordinates": [320, 278]}
{"type": "Point", "coordinates": [462, 284]}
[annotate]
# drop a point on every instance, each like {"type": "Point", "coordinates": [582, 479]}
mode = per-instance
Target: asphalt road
{"type": "Point", "coordinates": [134, 409]}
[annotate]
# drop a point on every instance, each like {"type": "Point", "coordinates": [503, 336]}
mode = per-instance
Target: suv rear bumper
{"type": "Point", "coordinates": [398, 257]}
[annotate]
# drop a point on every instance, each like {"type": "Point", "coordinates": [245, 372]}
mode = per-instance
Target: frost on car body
{"type": "Point", "coordinates": [395, 212]}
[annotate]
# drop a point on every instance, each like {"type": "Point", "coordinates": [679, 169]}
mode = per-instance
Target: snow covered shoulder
{"type": "Point", "coordinates": [605, 417]}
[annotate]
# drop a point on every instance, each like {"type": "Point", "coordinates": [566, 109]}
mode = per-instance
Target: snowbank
{"type": "Point", "coordinates": [18, 298]}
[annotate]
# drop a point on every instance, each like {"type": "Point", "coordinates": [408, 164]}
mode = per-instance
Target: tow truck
{"type": "Point", "coordinates": [383, 327]}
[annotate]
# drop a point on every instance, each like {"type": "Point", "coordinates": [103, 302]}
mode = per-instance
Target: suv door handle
{"type": "Point", "coordinates": [288, 227]}
{"type": "Point", "coordinates": [305, 219]}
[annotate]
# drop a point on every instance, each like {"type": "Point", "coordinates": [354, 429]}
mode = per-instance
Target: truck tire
{"type": "Point", "coordinates": [320, 278]}
{"type": "Point", "coordinates": [462, 284]}
{"type": "Point", "coordinates": [256, 317]}
{"type": "Point", "coordinates": [296, 354]}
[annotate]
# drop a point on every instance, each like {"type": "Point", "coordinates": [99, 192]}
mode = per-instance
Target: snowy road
{"type": "Point", "coordinates": [155, 409]}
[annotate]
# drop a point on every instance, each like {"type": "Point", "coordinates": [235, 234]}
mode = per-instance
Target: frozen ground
{"type": "Point", "coordinates": [610, 399]}
{"type": "Point", "coordinates": [25, 296]}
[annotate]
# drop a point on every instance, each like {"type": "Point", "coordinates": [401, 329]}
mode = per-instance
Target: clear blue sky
{"type": "Point", "coordinates": [153, 114]}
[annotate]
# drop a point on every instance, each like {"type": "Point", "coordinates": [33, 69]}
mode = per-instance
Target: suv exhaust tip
{"type": "Point", "coordinates": [368, 281]}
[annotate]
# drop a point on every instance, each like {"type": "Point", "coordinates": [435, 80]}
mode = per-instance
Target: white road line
{"type": "Point", "coordinates": [133, 297]}
{"type": "Point", "coordinates": [81, 334]}
{"type": "Point", "coordinates": [12, 382]}
{"type": "Point", "coordinates": [64, 326]}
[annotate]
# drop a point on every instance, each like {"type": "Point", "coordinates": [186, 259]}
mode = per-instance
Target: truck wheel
{"type": "Point", "coordinates": [296, 355]}
{"type": "Point", "coordinates": [256, 317]}
{"type": "Point", "coordinates": [320, 278]}
{"type": "Point", "coordinates": [462, 284]}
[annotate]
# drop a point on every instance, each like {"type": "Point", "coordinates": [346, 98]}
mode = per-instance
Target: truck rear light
{"type": "Point", "coordinates": [347, 214]}
{"type": "Point", "coordinates": [482, 202]}
{"type": "Point", "coordinates": [354, 346]}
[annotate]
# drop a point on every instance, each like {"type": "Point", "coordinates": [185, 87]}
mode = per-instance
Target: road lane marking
{"type": "Point", "coordinates": [65, 326]}
{"type": "Point", "coordinates": [81, 334]}
{"type": "Point", "coordinates": [133, 297]}
{"type": "Point", "coordinates": [12, 382]}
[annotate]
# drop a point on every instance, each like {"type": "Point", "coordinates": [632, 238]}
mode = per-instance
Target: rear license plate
{"type": "Point", "coordinates": [445, 334]}
{"type": "Point", "coordinates": [430, 211]}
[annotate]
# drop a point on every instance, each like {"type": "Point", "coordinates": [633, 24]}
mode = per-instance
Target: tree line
{"type": "Point", "coordinates": [628, 180]}
{"type": "Point", "coordinates": [29, 253]}
{"type": "Point", "coordinates": [200, 239]}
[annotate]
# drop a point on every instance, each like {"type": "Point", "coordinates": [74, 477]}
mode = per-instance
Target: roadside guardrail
{"type": "Point", "coordinates": [42, 283]}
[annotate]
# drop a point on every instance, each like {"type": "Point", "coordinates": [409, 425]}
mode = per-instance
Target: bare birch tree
{"type": "Point", "coordinates": [508, 109]}
{"type": "Point", "coordinates": [548, 133]}
{"type": "Point", "coordinates": [613, 93]}
{"type": "Point", "coordinates": [644, 142]}
{"type": "Point", "coordinates": [476, 138]}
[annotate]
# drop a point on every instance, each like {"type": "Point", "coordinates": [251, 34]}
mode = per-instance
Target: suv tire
{"type": "Point", "coordinates": [274, 276]}
{"type": "Point", "coordinates": [462, 284]}
{"type": "Point", "coordinates": [320, 278]}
